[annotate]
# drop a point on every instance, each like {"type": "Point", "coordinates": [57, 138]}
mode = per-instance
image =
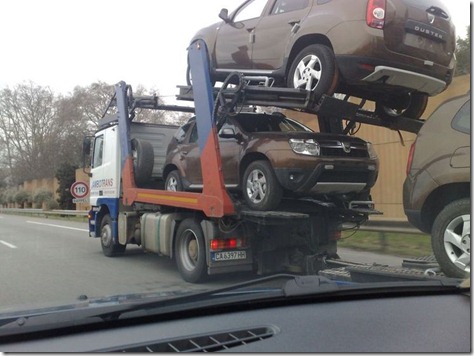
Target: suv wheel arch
{"type": "Point", "coordinates": [439, 198]}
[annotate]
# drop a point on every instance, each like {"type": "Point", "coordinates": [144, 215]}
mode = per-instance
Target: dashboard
{"type": "Point", "coordinates": [415, 323]}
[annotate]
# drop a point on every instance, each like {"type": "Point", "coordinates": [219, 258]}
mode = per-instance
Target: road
{"type": "Point", "coordinates": [47, 262]}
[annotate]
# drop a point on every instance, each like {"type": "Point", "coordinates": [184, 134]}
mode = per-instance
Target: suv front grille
{"type": "Point", "coordinates": [336, 149]}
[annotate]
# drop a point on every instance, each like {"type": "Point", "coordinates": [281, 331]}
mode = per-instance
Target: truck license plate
{"type": "Point", "coordinates": [229, 255]}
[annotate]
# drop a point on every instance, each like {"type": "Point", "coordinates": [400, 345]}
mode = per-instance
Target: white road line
{"type": "Point", "coordinates": [61, 226]}
{"type": "Point", "coordinates": [7, 244]}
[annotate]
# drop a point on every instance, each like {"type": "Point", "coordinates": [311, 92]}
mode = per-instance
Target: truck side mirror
{"type": "Point", "coordinates": [86, 146]}
{"type": "Point", "coordinates": [86, 154]}
{"type": "Point", "coordinates": [224, 15]}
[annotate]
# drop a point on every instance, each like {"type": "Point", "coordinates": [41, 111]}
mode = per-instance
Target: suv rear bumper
{"type": "Point", "coordinates": [412, 80]}
{"type": "Point", "coordinates": [365, 71]}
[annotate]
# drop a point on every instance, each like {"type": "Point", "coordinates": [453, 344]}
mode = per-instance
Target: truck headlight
{"type": "Point", "coordinates": [305, 147]}
{"type": "Point", "coordinates": [371, 151]}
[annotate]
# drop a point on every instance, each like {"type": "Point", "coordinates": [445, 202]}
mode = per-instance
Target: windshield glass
{"type": "Point", "coordinates": [146, 212]}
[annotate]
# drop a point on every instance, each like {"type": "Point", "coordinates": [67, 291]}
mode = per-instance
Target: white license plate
{"type": "Point", "coordinates": [229, 255]}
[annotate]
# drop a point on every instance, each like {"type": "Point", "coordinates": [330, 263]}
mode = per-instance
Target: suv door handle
{"type": "Point", "coordinates": [295, 25]}
{"type": "Point", "coordinates": [251, 32]}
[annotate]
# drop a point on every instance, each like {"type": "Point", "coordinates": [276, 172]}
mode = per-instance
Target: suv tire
{"type": "Point", "coordinates": [260, 187]}
{"type": "Point", "coordinates": [173, 182]}
{"type": "Point", "coordinates": [314, 68]}
{"type": "Point", "coordinates": [417, 103]}
{"type": "Point", "coordinates": [453, 221]}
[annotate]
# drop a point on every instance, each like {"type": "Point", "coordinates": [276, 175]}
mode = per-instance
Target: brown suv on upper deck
{"type": "Point", "coordinates": [268, 156]}
{"type": "Point", "coordinates": [396, 53]}
{"type": "Point", "coordinates": [437, 190]}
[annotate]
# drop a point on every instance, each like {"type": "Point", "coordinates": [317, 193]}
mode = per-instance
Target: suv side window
{"type": "Point", "coordinates": [282, 6]}
{"type": "Point", "coordinates": [252, 10]}
{"type": "Point", "coordinates": [194, 134]}
{"type": "Point", "coordinates": [462, 120]}
{"type": "Point", "coordinates": [98, 151]}
{"type": "Point", "coordinates": [180, 135]}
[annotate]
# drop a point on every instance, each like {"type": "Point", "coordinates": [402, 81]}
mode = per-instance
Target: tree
{"type": "Point", "coordinates": [463, 54]}
{"type": "Point", "coordinates": [66, 176]}
{"type": "Point", "coordinates": [40, 131]}
{"type": "Point", "coordinates": [27, 116]}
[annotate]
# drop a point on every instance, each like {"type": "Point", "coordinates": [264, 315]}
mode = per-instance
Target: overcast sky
{"type": "Point", "coordinates": [64, 43]}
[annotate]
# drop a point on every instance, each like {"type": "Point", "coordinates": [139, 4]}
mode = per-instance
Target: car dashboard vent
{"type": "Point", "coordinates": [203, 343]}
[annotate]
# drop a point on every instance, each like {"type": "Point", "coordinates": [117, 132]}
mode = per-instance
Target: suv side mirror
{"type": "Point", "coordinates": [228, 133]}
{"type": "Point", "coordinates": [224, 15]}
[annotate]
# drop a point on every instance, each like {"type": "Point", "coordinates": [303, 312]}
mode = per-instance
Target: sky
{"type": "Point", "coordinates": [64, 43]}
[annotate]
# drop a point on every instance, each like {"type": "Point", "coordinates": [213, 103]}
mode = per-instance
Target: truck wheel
{"type": "Point", "coordinates": [314, 69]}
{"type": "Point", "coordinates": [173, 182]}
{"type": "Point", "coordinates": [110, 247]}
{"type": "Point", "coordinates": [143, 160]}
{"type": "Point", "coordinates": [190, 251]}
{"type": "Point", "coordinates": [260, 187]}
{"type": "Point", "coordinates": [451, 239]}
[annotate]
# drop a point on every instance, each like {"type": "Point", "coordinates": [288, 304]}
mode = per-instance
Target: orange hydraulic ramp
{"type": "Point", "coordinates": [214, 201]}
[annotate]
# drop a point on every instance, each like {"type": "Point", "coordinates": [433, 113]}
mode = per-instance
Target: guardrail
{"type": "Point", "coordinates": [44, 212]}
{"type": "Point", "coordinates": [376, 225]}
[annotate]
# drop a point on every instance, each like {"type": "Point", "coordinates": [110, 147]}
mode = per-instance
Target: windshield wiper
{"type": "Point", "coordinates": [282, 288]}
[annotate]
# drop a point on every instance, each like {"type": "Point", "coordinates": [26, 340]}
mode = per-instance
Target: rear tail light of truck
{"type": "Point", "coordinates": [376, 13]}
{"type": "Point", "coordinates": [227, 244]}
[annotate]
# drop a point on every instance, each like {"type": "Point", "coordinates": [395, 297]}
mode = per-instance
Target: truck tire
{"type": "Point", "coordinates": [143, 160]}
{"type": "Point", "coordinates": [110, 247]}
{"type": "Point", "coordinates": [260, 186]}
{"type": "Point", "coordinates": [451, 239]}
{"type": "Point", "coordinates": [190, 251]}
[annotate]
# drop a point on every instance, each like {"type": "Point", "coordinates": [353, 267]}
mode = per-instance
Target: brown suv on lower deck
{"type": "Point", "coordinates": [266, 157]}
{"type": "Point", "coordinates": [394, 52]}
{"type": "Point", "coordinates": [437, 190]}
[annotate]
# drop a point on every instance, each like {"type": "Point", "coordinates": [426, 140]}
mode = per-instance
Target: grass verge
{"type": "Point", "coordinates": [396, 244]}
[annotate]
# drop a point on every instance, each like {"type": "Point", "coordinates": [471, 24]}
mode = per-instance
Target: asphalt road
{"type": "Point", "coordinates": [47, 262]}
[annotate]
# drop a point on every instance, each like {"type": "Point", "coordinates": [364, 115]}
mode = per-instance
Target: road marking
{"type": "Point", "coordinates": [7, 244]}
{"type": "Point", "coordinates": [61, 226]}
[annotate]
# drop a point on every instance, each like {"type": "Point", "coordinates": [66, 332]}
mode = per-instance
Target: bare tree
{"type": "Point", "coordinates": [27, 122]}
{"type": "Point", "coordinates": [39, 131]}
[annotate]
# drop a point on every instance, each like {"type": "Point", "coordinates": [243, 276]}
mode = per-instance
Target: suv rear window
{"type": "Point", "coordinates": [462, 121]}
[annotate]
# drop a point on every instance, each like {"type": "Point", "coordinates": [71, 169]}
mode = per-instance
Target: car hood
{"type": "Point", "coordinates": [317, 136]}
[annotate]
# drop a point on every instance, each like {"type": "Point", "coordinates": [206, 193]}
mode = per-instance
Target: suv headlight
{"type": "Point", "coordinates": [305, 147]}
{"type": "Point", "coordinates": [371, 151]}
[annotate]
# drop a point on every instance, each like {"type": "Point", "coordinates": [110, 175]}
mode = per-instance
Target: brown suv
{"type": "Point", "coordinates": [266, 157]}
{"type": "Point", "coordinates": [436, 192]}
{"type": "Point", "coordinates": [396, 53]}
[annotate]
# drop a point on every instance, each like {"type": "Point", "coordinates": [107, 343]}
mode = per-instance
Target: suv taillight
{"type": "Point", "coordinates": [410, 157]}
{"type": "Point", "coordinates": [376, 13]}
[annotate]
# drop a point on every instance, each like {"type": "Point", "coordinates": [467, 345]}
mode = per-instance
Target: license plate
{"type": "Point", "coordinates": [228, 255]}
